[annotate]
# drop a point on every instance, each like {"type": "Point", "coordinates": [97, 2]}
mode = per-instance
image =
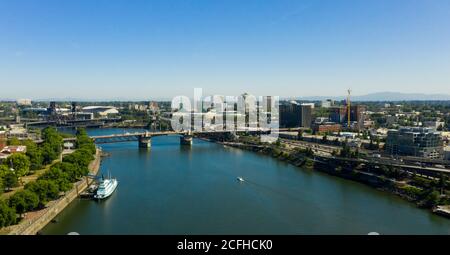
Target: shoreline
{"type": "Point", "coordinates": [374, 181]}
{"type": "Point", "coordinates": [35, 221]}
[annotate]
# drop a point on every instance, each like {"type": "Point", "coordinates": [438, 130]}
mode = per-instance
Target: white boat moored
{"type": "Point", "coordinates": [106, 188]}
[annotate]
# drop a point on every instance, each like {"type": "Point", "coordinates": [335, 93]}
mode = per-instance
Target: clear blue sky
{"type": "Point", "coordinates": [150, 49]}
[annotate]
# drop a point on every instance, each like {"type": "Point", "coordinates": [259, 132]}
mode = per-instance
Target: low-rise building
{"type": "Point", "coordinates": [14, 149]}
{"type": "Point", "coordinates": [18, 132]}
{"type": "Point", "coordinates": [325, 127]}
{"type": "Point", "coordinates": [434, 124]}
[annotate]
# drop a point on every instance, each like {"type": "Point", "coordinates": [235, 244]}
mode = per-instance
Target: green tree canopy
{"type": "Point", "coordinates": [14, 141]}
{"type": "Point", "coordinates": [46, 190]}
{"type": "Point", "coordinates": [61, 178]}
{"type": "Point", "coordinates": [24, 201]}
{"type": "Point", "coordinates": [10, 180]}
{"type": "Point", "coordinates": [34, 153]}
{"type": "Point", "coordinates": [51, 148]}
{"type": "Point", "coordinates": [20, 163]}
{"type": "Point", "coordinates": [7, 214]}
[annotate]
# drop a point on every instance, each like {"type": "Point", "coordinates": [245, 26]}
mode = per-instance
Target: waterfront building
{"type": "Point", "coordinates": [415, 141]}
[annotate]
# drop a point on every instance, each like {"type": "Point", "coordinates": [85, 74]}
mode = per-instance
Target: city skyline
{"type": "Point", "coordinates": [116, 50]}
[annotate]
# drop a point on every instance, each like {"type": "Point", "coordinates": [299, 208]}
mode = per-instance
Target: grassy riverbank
{"type": "Point", "coordinates": [40, 200]}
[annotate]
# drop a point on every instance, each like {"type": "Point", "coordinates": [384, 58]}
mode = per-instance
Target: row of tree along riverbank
{"type": "Point", "coordinates": [55, 182]}
{"type": "Point", "coordinates": [425, 192]}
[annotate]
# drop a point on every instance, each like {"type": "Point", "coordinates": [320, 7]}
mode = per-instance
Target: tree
{"type": "Point", "coordinates": [20, 163]}
{"type": "Point", "coordinates": [14, 141]}
{"type": "Point", "coordinates": [299, 134]}
{"type": "Point", "coordinates": [34, 153]}
{"type": "Point", "coordinates": [62, 179]}
{"type": "Point", "coordinates": [2, 186]}
{"type": "Point", "coordinates": [345, 151]}
{"type": "Point", "coordinates": [51, 148]}
{"type": "Point", "coordinates": [324, 138]}
{"type": "Point", "coordinates": [24, 201]}
{"type": "Point", "coordinates": [3, 170]}
{"type": "Point", "coordinates": [278, 142]}
{"type": "Point", "coordinates": [46, 190]}
{"type": "Point", "coordinates": [7, 214]}
{"type": "Point", "coordinates": [10, 180]}
{"type": "Point", "coordinates": [432, 198]}
{"type": "Point", "coordinates": [48, 153]}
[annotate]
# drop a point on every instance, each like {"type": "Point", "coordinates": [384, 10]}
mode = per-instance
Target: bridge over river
{"type": "Point", "coordinates": [144, 138]}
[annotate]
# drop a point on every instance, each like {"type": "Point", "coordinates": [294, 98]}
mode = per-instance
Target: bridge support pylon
{"type": "Point", "coordinates": [145, 141]}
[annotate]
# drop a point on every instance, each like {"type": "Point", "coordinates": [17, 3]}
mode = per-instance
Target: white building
{"type": "Point", "coordinates": [101, 110]}
{"type": "Point", "coordinates": [327, 103]}
{"type": "Point", "coordinates": [308, 104]}
{"type": "Point", "coordinates": [24, 102]}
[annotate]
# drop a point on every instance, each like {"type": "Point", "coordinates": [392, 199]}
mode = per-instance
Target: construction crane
{"type": "Point", "coordinates": [348, 108]}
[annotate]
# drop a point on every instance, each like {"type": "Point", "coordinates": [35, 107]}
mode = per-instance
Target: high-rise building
{"type": "Point", "coordinates": [415, 141]}
{"type": "Point", "coordinates": [306, 115]}
{"type": "Point", "coordinates": [340, 114]}
{"type": "Point", "coordinates": [290, 115]}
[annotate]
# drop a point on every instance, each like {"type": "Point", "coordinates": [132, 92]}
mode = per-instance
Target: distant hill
{"type": "Point", "coordinates": [386, 96]}
{"type": "Point", "coordinates": [379, 96]}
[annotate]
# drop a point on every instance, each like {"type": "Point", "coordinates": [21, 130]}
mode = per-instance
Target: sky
{"type": "Point", "coordinates": [148, 49]}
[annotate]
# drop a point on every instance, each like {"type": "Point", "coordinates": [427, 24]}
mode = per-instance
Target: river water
{"type": "Point", "coordinates": [173, 189]}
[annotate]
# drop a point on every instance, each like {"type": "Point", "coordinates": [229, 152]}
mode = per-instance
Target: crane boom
{"type": "Point", "coordinates": [348, 108]}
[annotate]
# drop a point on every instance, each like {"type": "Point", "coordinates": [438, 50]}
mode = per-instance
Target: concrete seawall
{"type": "Point", "coordinates": [53, 208]}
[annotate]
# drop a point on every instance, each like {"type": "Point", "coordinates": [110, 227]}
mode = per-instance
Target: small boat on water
{"type": "Point", "coordinates": [240, 179]}
{"type": "Point", "coordinates": [106, 188]}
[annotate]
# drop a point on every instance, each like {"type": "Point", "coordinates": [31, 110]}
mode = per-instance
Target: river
{"type": "Point", "coordinates": [173, 189]}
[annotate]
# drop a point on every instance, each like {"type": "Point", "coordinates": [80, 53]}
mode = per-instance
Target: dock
{"type": "Point", "coordinates": [443, 210]}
